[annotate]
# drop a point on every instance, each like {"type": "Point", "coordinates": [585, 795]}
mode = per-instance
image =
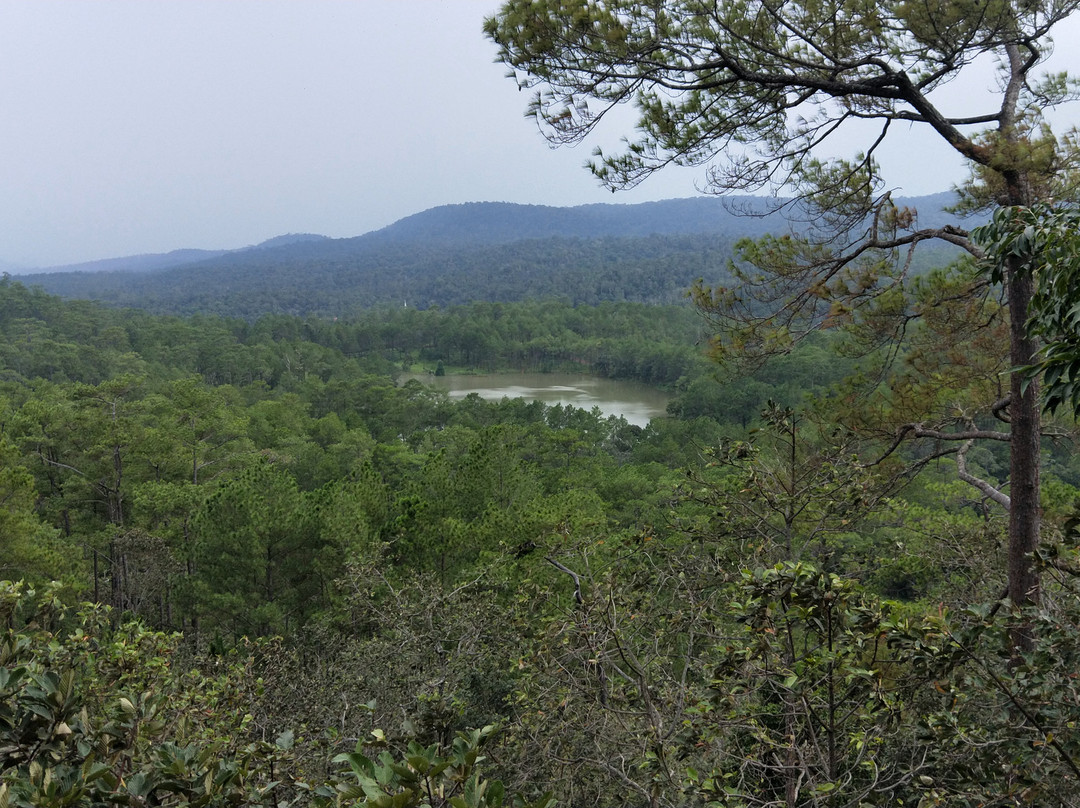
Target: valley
{"type": "Point", "coordinates": [309, 535]}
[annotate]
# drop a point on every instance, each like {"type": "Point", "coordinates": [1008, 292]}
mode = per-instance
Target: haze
{"type": "Point", "coordinates": [134, 127]}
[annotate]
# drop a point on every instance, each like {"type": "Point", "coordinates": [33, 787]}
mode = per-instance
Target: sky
{"type": "Point", "coordinates": [147, 126]}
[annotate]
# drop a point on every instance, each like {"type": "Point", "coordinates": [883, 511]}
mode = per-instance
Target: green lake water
{"type": "Point", "coordinates": [637, 403]}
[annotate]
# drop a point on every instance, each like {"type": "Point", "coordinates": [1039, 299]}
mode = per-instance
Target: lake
{"type": "Point", "coordinates": [637, 403]}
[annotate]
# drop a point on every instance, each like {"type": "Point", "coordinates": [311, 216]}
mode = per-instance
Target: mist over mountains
{"type": "Point", "coordinates": [154, 261]}
{"type": "Point", "coordinates": [500, 252]}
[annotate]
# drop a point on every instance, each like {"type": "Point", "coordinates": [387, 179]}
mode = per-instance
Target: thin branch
{"type": "Point", "coordinates": [907, 431]}
{"type": "Point", "coordinates": [1048, 736]}
{"type": "Point", "coordinates": [577, 578]}
{"type": "Point", "coordinates": [914, 117]}
{"type": "Point", "coordinates": [58, 464]}
{"type": "Point", "coordinates": [987, 489]}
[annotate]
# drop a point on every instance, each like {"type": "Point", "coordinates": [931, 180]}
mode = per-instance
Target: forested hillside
{"type": "Point", "coordinates": [453, 255]}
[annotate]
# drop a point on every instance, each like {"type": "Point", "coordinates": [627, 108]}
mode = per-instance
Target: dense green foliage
{"type": "Point", "coordinates": [95, 714]}
{"type": "Point", "coordinates": [828, 579]}
{"type": "Point", "coordinates": [291, 564]}
{"type": "Point", "coordinates": [1044, 239]}
{"type": "Point", "coordinates": [363, 574]}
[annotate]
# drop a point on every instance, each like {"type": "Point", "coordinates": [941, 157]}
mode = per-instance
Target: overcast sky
{"type": "Point", "coordinates": [139, 126]}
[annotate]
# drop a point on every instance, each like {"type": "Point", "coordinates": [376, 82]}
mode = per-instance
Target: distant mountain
{"type": "Point", "coordinates": [11, 268]}
{"type": "Point", "coordinates": [154, 262]}
{"type": "Point", "coordinates": [649, 252]}
{"type": "Point", "coordinates": [136, 263]}
{"type": "Point", "coordinates": [290, 238]}
{"type": "Point", "coordinates": [501, 222]}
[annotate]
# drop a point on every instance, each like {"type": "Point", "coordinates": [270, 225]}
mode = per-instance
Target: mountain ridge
{"type": "Point", "coordinates": [499, 252]}
{"type": "Point", "coordinates": [503, 222]}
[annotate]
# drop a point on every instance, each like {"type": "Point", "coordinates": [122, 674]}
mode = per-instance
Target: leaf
{"type": "Point", "coordinates": [285, 740]}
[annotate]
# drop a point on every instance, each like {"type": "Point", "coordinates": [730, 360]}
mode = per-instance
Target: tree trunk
{"type": "Point", "coordinates": [1024, 512]}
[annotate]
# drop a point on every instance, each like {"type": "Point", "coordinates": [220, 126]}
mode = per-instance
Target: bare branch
{"type": "Point", "coordinates": [987, 489]}
{"type": "Point", "coordinates": [577, 579]}
{"type": "Point", "coordinates": [919, 431]}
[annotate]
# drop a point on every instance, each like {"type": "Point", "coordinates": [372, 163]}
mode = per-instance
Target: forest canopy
{"type": "Point", "coordinates": [257, 568]}
{"type": "Point", "coordinates": [266, 490]}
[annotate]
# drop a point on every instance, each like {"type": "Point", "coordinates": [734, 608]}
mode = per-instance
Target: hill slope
{"type": "Point", "coordinates": [650, 252]}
